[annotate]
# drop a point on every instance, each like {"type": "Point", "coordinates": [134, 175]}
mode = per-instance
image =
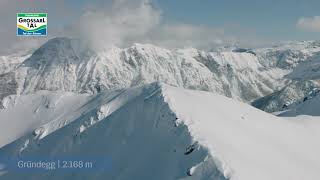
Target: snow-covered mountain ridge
{"type": "Point", "coordinates": [157, 132]}
{"type": "Point", "coordinates": [64, 64]}
{"type": "Point", "coordinates": [305, 81]}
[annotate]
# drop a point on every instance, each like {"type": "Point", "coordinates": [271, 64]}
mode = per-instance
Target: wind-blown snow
{"type": "Point", "coordinates": [162, 132]}
{"type": "Point", "coordinates": [249, 143]}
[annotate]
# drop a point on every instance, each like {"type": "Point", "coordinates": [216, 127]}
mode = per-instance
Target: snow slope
{"type": "Point", "coordinates": [292, 94]}
{"type": "Point", "coordinates": [8, 63]}
{"type": "Point", "coordinates": [162, 132]}
{"type": "Point", "coordinates": [307, 70]}
{"type": "Point", "coordinates": [23, 114]}
{"type": "Point", "coordinates": [250, 143]}
{"type": "Point", "coordinates": [8, 84]}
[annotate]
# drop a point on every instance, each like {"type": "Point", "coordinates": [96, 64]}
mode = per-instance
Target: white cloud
{"type": "Point", "coordinates": [114, 22]}
{"type": "Point", "coordinates": [123, 22]}
{"type": "Point", "coordinates": [188, 35]}
{"type": "Point", "coordinates": [130, 21]}
{"type": "Point", "coordinates": [311, 24]}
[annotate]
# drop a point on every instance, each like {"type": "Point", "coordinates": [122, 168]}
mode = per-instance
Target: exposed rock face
{"type": "Point", "coordinates": [8, 86]}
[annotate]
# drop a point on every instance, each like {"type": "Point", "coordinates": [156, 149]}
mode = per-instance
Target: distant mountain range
{"type": "Point", "coordinates": [64, 64]}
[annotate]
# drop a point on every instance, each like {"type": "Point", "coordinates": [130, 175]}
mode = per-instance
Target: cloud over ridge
{"type": "Point", "coordinates": [311, 24]}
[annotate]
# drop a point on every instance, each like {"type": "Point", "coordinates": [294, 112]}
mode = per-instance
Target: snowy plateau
{"type": "Point", "coordinates": [160, 114]}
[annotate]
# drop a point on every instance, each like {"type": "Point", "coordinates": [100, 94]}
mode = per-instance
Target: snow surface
{"type": "Point", "coordinates": [22, 114]}
{"type": "Point", "coordinates": [249, 143]}
{"type": "Point", "coordinates": [162, 132]}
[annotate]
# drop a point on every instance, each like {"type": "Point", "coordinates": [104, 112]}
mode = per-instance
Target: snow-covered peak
{"type": "Point", "coordinates": [185, 134]}
{"type": "Point", "coordinates": [55, 52]}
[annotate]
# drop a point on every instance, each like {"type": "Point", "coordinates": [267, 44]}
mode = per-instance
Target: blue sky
{"type": "Point", "coordinates": [173, 23]}
{"type": "Point", "coordinates": [275, 19]}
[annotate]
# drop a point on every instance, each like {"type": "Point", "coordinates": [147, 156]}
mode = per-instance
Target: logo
{"type": "Point", "coordinates": [32, 24]}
